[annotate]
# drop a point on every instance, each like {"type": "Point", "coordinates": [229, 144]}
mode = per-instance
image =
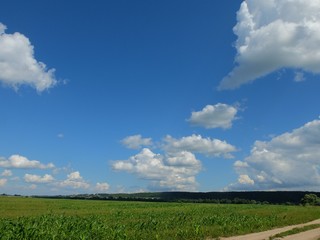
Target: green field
{"type": "Point", "coordinates": [33, 218]}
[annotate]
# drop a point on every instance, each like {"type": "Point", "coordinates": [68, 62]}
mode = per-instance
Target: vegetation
{"type": "Point", "coordinates": [310, 199]}
{"type": "Point", "coordinates": [295, 231]}
{"type": "Point", "coordinates": [35, 218]}
{"type": "Point", "coordinates": [251, 197]}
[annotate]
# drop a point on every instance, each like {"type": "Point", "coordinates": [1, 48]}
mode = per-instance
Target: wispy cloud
{"type": "Point", "coordinates": [275, 34]}
{"type": "Point", "coordinates": [6, 173]}
{"type": "Point", "coordinates": [18, 65]}
{"type": "Point", "coordinates": [102, 187]}
{"type": "Point", "coordinates": [136, 141]}
{"type": "Point", "coordinates": [31, 178]}
{"type": "Point", "coordinates": [60, 135]}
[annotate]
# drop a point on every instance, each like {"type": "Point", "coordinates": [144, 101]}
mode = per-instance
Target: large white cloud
{"type": "Point", "coordinates": [290, 161]}
{"type": "Point", "coordinates": [275, 34]}
{"type": "Point", "coordinates": [214, 116]}
{"type": "Point", "coordinates": [176, 171]}
{"type": "Point", "coordinates": [176, 168]}
{"type": "Point", "coordinates": [198, 144]}
{"type": "Point", "coordinates": [18, 65]}
{"type": "Point", "coordinates": [136, 141]}
{"type": "Point", "coordinates": [18, 161]}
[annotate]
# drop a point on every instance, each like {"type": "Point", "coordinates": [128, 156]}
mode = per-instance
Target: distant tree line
{"type": "Point", "coordinates": [257, 197]}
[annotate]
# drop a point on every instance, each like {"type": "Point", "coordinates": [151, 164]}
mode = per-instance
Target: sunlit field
{"type": "Point", "coordinates": [33, 218]}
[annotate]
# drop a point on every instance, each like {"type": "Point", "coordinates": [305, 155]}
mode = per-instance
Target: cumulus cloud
{"type": "Point", "coordinates": [18, 65]}
{"type": "Point", "coordinates": [214, 116]}
{"type": "Point", "coordinates": [275, 34]}
{"type": "Point", "coordinates": [102, 187]}
{"type": "Point", "coordinates": [3, 182]}
{"type": "Point", "coordinates": [177, 165]}
{"type": "Point", "coordinates": [172, 172]}
{"type": "Point", "coordinates": [290, 161]}
{"type": "Point", "coordinates": [30, 178]}
{"type": "Point", "coordinates": [6, 173]}
{"type": "Point", "coordinates": [74, 180]}
{"type": "Point", "coordinates": [18, 161]}
{"type": "Point", "coordinates": [245, 179]}
{"type": "Point", "coordinates": [198, 144]}
{"type": "Point", "coordinates": [136, 141]}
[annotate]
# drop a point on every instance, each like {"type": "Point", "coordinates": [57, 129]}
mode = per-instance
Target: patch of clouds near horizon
{"type": "Point", "coordinates": [136, 141]}
{"type": "Point", "coordinates": [177, 167]}
{"type": "Point", "coordinates": [290, 161]}
{"type": "Point", "coordinates": [102, 187]}
{"type": "Point", "coordinates": [74, 180]}
{"type": "Point", "coordinates": [214, 116]}
{"type": "Point", "coordinates": [18, 65]}
{"type": "Point", "coordinates": [163, 172]}
{"type": "Point", "coordinates": [275, 34]}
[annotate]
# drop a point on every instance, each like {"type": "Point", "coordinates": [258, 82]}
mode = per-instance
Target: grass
{"type": "Point", "coordinates": [295, 231]}
{"type": "Point", "coordinates": [32, 218]}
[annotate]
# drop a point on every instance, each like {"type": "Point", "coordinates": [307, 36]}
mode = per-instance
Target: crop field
{"type": "Point", "coordinates": [34, 218]}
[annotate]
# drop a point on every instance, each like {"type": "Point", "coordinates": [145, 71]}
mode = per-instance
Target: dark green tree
{"type": "Point", "coordinates": [310, 199]}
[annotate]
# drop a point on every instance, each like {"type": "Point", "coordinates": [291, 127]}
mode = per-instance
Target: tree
{"type": "Point", "coordinates": [310, 199]}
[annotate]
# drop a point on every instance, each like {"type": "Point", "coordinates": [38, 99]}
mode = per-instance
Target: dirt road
{"type": "Point", "coordinates": [309, 235]}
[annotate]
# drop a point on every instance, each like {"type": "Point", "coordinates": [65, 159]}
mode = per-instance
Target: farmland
{"type": "Point", "coordinates": [36, 218]}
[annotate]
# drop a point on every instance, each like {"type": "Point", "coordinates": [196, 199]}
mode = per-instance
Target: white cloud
{"type": "Point", "coordinates": [3, 182]}
{"type": "Point", "coordinates": [176, 168]}
{"type": "Point", "coordinates": [198, 144]}
{"type": "Point", "coordinates": [183, 158]}
{"type": "Point", "coordinates": [245, 179]}
{"type": "Point", "coordinates": [74, 180]}
{"type": "Point", "coordinates": [75, 176]}
{"type": "Point", "coordinates": [290, 161]}
{"type": "Point", "coordinates": [17, 161]}
{"type": "Point", "coordinates": [102, 187]}
{"type": "Point", "coordinates": [38, 179]}
{"type": "Point", "coordinates": [136, 141]}
{"type": "Point", "coordinates": [6, 173]}
{"type": "Point", "coordinates": [173, 172]}
{"type": "Point", "coordinates": [18, 65]}
{"type": "Point", "coordinates": [275, 34]}
{"type": "Point", "coordinates": [214, 116]}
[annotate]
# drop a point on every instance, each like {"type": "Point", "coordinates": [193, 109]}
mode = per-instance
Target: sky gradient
{"type": "Point", "coordinates": [130, 96]}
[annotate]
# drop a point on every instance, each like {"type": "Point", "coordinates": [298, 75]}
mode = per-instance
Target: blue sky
{"type": "Point", "coordinates": [128, 96]}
